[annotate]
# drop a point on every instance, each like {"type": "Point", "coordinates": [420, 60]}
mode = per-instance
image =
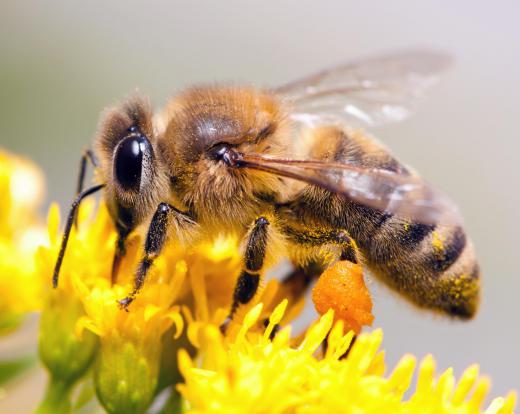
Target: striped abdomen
{"type": "Point", "coordinates": [433, 265]}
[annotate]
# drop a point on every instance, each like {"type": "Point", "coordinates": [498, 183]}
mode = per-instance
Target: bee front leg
{"type": "Point", "coordinates": [249, 279]}
{"type": "Point", "coordinates": [155, 240]}
{"type": "Point", "coordinates": [87, 155]}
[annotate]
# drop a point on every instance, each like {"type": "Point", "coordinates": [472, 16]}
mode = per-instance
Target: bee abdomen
{"type": "Point", "coordinates": [435, 267]}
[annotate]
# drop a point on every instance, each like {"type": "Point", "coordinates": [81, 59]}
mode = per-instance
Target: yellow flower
{"type": "Point", "coordinates": [21, 187]}
{"type": "Point", "coordinates": [249, 373]}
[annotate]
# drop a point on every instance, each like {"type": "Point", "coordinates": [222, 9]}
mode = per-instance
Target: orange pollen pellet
{"type": "Point", "coordinates": [342, 288]}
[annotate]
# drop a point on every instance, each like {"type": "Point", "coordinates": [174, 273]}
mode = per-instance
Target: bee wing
{"type": "Point", "coordinates": [406, 196]}
{"type": "Point", "coordinates": [369, 92]}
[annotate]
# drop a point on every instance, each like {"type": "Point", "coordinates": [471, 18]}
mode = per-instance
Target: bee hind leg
{"type": "Point", "coordinates": [300, 279]}
{"type": "Point", "coordinates": [319, 238]}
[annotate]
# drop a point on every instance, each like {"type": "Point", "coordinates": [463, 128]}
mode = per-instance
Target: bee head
{"type": "Point", "coordinates": [129, 166]}
{"type": "Point", "coordinates": [205, 128]}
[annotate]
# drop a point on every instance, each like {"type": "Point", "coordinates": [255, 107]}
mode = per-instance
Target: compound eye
{"type": "Point", "coordinates": [128, 162]}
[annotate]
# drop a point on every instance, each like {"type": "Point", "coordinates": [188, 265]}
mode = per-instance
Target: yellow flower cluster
{"type": "Point", "coordinates": [129, 360]}
{"type": "Point", "coordinates": [250, 373]}
{"type": "Point", "coordinates": [169, 340]}
{"type": "Point", "coordinates": [21, 185]}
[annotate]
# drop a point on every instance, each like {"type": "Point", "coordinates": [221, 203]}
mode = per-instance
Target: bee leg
{"type": "Point", "coordinates": [68, 227]}
{"type": "Point", "coordinates": [119, 252]}
{"type": "Point", "coordinates": [248, 281]}
{"type": "Point", "coordinates": [325, 345]}
{"type": "Point", "coordinates": [155, 240]}
{"type": "Point", "coordinates": [323, 237]}
{"type": "Point", "coordinates": [302, 276]}
{"type": "Point", "coordinates": [347, 352]}
{"type": "Point", "coordinates": [87, 155]}
{"type": "Point", "coordinates": [298, 281]}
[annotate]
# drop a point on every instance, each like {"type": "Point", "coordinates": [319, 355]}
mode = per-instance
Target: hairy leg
{"type": "Point", "coordinates": [302, 276]}
{"type": "Point", "coordinates": [249, 279]}
{"type": "Point", "coordinates": [155, 240]}
{"type": "Point", "coordinates": [299, 280]}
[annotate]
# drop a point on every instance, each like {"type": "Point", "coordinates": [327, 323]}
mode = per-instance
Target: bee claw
{"type": "Point", "coordinates": [223, 327]}
{"type": "Point", "coordinates": [124, 303]}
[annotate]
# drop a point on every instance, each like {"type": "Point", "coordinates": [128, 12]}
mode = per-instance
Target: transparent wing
{"type": "Point", "coordinates": [369, 92]}
{"type": "Point", "coordinates": [406, 196]}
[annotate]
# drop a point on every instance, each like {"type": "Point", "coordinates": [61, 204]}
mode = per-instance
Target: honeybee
{"type": "Point", "coordinates": [288, 164]}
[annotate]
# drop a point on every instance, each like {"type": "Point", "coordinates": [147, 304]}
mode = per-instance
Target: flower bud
{"type": "Point", "coordinates": [126, 373]}
{"type": "Point", "coordinates": [66, 355]}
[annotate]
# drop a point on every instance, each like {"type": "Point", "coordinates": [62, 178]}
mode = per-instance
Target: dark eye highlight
{"type": "Point", "coordinates": [128, 162]}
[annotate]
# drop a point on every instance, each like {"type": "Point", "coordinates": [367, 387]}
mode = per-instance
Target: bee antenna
{"type": "Point", "coordinates": [68, 226]}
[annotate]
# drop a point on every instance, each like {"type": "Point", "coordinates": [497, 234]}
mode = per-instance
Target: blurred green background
{"type": "Point", "coordinates": [62, 62]}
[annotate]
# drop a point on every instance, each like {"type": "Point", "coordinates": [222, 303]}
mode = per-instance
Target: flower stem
{"type": "Point", "coordinates": [57, 398]}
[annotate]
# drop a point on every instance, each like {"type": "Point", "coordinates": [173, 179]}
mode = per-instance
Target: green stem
{"type": "Point", "coordinates": [173, 404]}
{"type": "Point", "coordinates": [57, 398]}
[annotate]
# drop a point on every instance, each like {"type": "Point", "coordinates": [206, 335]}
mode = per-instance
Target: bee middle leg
{"type": "Point", "coordinates": [154, 243]}
{"type": "Point", "coordinates": [249, 279]}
